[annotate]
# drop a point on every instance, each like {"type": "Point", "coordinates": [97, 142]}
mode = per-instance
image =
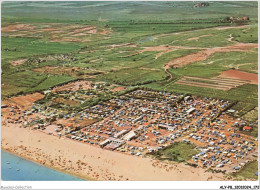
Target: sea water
{"type": "Point", "coordinates": [14, 168]}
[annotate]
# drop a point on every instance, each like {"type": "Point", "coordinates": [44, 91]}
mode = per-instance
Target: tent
{"type": "Point", "coordinates": [237, 168]}
{"type": "Point", "coordinates": [247, 128]}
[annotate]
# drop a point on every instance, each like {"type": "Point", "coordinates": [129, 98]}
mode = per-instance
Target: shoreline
{"type": "Point", "coordinates": [92, 163]}
{"type": "Point", "coordinates": [53, 168]}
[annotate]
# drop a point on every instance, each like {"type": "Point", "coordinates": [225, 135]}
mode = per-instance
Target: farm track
{"type": "Point", "coordinates": [203, 29]}
{"type": "Point", "coordinates": [166, 49]}
{"type": "Point", "coordinates": [167, 72]}
{"type": "Point", "coordinates": [197, 38]}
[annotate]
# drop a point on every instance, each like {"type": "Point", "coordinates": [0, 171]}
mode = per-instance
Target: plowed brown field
{"type": "Point", "coordinates": [235, 74]}
{"type": "Point", "coordinates": [26, 101]}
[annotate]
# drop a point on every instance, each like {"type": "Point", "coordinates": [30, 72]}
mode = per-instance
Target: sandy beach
{"type": "Point", "coordinates": [90, 162]}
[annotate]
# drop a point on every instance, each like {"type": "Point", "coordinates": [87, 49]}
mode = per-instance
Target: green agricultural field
{"type": "Point", "coordinates": [14, 48]}
{"type": "Point", "coordinates": [246, 93]}
{"type": "Point", "coordinates": [22, 48]}
{"type": "Point", "coordinates": [12, 83]}
{"type": "Point", "coordinates": [209, 37]}
{"type": "Point", "coordinates": [32, 82]}
{"type": "Point", "coordinates": [134, 76]}
{"type": "Point", "coordinates": [249, 35]}
{"type": "Point", "coordinates": [114, 49]}
{"type": "Point", "coordinates": [107, 11]}
{"type": "Point", "coordinates": [52, 80]}
{"type": "Point", "coordinates": [244, 61]}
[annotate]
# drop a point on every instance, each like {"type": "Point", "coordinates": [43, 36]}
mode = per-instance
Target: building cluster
{"type": "Point", "coordinates": [140, 122]}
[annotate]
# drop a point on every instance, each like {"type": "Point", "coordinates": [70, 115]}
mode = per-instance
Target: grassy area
{"type": "Point", "coordinates": [251, 115]}
{"type": "Point", "coordinates": [248, 171]}
{"type": "Point", "coordinates": [209, 37]}
{"type": "Point", "coordinates": [218, 62]}
{"type": "Point", "coordinates": [245, 93]}
{"type": "Point", "coordinates": [114, 11]}
{"type": "Point", "coordinates": [178, 152]}
{"type": "Point", "coordinates": [12, 83]}
{"type": "Point", "coordinates": [156, 27]}
{"type": "Point", "coordinates": [166, 57]}
{"type": "Point", "coordinates": [243, 108]}
{"type": "Point", "coordinates": [19, 48]}
{"type": "Point", "coordinates": [247, 36]}
{"type": "Point", "coordinates": [18, 79]}
{"type": "Point", "coordinates": [52, 80]}
{"type": "Point", "coordinates": [32, 81]}
{"type": "Point", "coordinates": [14, 48]}
{"type": "Point", "coordinates": [116, 56]}
{"type": "Point", "coordinates": [134, 76]}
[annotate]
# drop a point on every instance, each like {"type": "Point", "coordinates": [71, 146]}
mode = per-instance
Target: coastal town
{"type": "Point", "coordinates": [140, 122]}
{"type": "Point", "coordinates": [132, 91]}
